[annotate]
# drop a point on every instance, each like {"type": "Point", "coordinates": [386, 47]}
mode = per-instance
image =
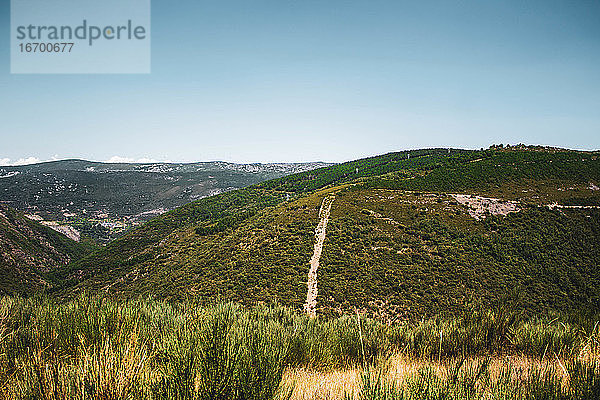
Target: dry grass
{"type": "Point", "coordinates": [94, 348]}
{"type": "Point", "coordinates": [311, 384]}
{"type": "Point", "coordinates": [321, 385]}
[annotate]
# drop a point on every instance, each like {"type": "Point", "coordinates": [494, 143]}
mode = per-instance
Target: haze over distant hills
{"type": "Point", "coordinates": [103, 199]}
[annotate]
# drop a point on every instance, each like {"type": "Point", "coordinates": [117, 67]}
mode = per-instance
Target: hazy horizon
{"type": "Point", "coordinates": [6, 162]}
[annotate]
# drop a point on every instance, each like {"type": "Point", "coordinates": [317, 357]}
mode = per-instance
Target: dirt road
{"type": "Point", "coordinates": [311, 296]}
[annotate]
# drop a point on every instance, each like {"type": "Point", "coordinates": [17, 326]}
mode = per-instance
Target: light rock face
{"type": "Point", "coordinates": [66, 230]}
{"type": "Point", "coordinates": [310, 307]}
{"type": "Point", "coordinates": [479, 206]}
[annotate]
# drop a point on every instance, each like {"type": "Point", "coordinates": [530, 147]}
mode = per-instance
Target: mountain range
{"type": "Point", "coordinates": [397, 236]}
{"type": "Point", "coordinates": [101, 200]}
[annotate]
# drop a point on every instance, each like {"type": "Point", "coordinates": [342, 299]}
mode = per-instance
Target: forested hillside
{"type": "Point", "coordinates": [434, 231]}
{"type": "Point", "coordinates": [29, 252]}
{"type": "Point", "coordinates": [217, 213]}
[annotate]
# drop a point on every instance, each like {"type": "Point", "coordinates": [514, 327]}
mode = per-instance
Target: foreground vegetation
{"type": "Point", "coordinates": [147, 349]}
{"type": "Point", "coordinates": [483, 379]}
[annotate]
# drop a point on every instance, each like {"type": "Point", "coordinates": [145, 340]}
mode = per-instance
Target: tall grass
{"type": "Point", "coordinates": [100, 349]}
{"type": "Point", "coordinates": [95, 348]}
{"type": "Point", "coordinates": [479, 380]}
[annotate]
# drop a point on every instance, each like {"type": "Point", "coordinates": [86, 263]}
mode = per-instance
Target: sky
{"type": "Point", "coordinates": [291, 81]}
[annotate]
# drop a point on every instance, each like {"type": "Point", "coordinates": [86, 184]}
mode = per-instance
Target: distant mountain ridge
{"type": "Point", "coordinates": [102, 199]}
{"type": "Point", "coordinates": [81, 164]}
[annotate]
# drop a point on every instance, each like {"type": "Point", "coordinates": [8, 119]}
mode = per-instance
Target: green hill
{"type": "Point", "coordinates": [30, 252]}
{"type": "Point", "coordinates": [404, 237]}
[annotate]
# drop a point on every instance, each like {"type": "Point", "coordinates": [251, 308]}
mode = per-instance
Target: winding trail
{"type": "Point", "coordinates": [310, 307]}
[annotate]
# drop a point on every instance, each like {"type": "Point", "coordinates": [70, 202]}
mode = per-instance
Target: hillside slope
{"type": "Point", "coordinates": [30, 252]}
{"type": "Point", "coordinates": [409, 234]}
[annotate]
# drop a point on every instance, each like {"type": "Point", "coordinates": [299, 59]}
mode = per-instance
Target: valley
{"type": "Point", "coordinates": [103, 200]}
{"type": "Point", "coordinates": [30, 252]}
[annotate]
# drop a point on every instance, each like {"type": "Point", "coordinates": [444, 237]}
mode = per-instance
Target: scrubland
{"type": "Point", "coordinates": [97, 348]}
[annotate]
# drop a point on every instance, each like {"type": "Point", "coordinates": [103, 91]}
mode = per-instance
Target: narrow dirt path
{"type": "Point", "coordinates": [310, 307]}
{"type": "Point", "coordinates": [556, 205]}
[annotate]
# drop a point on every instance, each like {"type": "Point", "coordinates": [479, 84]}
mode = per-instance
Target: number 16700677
{"type": "Point", "coordinates": [45, 47]}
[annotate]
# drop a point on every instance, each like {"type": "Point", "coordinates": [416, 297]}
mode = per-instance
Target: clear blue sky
{"type": "Point", "coordinates": [322, 80]}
